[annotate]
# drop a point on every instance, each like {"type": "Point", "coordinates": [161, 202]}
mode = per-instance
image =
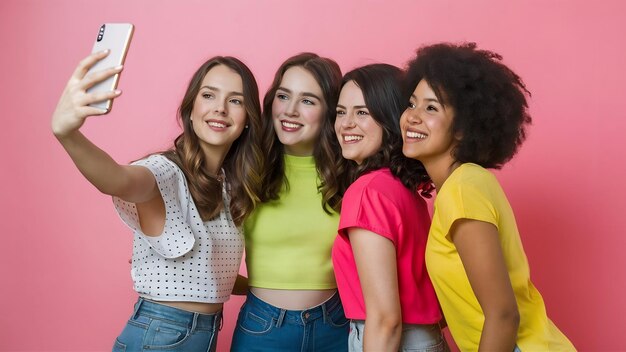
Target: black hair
{"type": "Point", "coordinates": [381, 85]}
{"type": "Point", "coordinates": [487, 97]}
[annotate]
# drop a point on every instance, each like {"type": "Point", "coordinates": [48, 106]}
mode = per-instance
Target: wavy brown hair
{"type": "Point", "coordinates": [328, 75]}
{"type": "Point", "coordinates": [381, 85]}
{"type": "Point", "coordinates": [243, 163]}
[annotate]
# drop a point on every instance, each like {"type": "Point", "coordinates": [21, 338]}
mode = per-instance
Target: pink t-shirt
{"type": "Point", "coordinates": [378, 202]}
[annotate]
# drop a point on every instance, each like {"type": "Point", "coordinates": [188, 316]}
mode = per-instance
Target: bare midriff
{"type": "Point", "coordinates": [293, 299]}
{"type": "Point", "coordinates": [196, 307]}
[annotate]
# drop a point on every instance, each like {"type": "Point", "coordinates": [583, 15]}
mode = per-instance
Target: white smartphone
{"type": "Point", "coordinates": [115, 37]}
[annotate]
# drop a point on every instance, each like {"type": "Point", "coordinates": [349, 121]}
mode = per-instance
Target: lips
{"type": "Point", "coordinates": [290, 126]}
{"type": "Point", "coordinates": [415, 135]}
{"type": "Point", "coordinates": [217, 124]}
{"type": "Point", "coordinates": [351, 138]}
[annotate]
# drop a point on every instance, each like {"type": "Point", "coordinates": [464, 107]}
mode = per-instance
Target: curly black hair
{"type": "Point", "coordinates": [488, 98]}
{"type": "Point", "coordinates": [381, 85]}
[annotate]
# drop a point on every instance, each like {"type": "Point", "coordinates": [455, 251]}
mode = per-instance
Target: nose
{"type": "Point", "coordinates": [220, 107]}
{"type": "Point", "coordinates": [411, 116]}
{"type": "Point", "coordinates": [348, 121]}
{"type": "Point", "coordinates": [292, 108]}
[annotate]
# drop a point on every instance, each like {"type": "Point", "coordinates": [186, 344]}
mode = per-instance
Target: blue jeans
{"type": "Point", "coordinates": [154, 326]}
{"type": "Point", "coordinates": [417, 338]}
{"type": "Point", "coordinates": [264, 327]}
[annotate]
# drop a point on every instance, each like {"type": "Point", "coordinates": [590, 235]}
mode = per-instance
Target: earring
{"type": "Point", "coordinates": [246, 126]}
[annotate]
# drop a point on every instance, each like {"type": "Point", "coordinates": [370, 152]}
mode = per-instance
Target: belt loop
{"type": "Point", "coordinates": [194, 322]}
{"type": "Point", "coordinates": [137, 306]}
{"type": "Point", "coordinates": [281, 317]}
{"type": "Point", "coordinates": [325, 312]}
{"type": "Point", "coordinates": [220, 316]}
{"type": "Point", "coordinates": [333, 301]}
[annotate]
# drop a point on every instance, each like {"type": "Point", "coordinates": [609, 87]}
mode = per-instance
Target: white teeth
{"type": "Point", "coordinates": [352, 138]}
{"type": "Point", "coordinates": [290, 125]}
{"type": "Point", "coordinates": [217, 124]}
{"type": "Point", "coordinates": [415, 135]}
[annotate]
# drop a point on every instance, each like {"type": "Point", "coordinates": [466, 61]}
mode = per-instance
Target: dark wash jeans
{"type": "Point", "coordinates": [264, 327]}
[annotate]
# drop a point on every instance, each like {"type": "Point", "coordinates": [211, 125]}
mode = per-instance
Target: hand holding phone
{"type": "Point", "coordinates": [92, 87]}
{"type": "Point", "coordinates": [116, 38]}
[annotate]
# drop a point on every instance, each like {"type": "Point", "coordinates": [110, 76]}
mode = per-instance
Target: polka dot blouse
{"type": "Point", "coordinates": [191, 260]}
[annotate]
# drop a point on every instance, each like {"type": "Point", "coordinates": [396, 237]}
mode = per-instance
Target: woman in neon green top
{"type": "Point", "coordinates": [293, 303]}
{"type": "Point", "coordinates": [468, 112]}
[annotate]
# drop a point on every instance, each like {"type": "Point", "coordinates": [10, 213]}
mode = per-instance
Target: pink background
{"type": "Point", "coordinates": [64, 266]}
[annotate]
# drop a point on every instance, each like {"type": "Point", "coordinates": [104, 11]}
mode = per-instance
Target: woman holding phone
{"type": "Point", "coordinates": [293, 303]}
{"type": "Point", "coordinates": [378, 255]}
{"type": "Point", "coordinates": [184, 205]}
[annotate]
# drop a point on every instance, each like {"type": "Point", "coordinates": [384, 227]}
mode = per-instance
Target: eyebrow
{"type": "Point", "coordinates": [356, 106]}
{"type": "Point", "coordinates": [218, 90]}
{"type": "Point", "coordinates": [427, 99]}
{"type": "Point", "coordinates": [304, 94]}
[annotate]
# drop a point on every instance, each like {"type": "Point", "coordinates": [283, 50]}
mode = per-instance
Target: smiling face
{"type": "Point", "coordinates": [297, 111]}
{"type": "Point", "coordinates": [426, 127]}
{"type": "Point", "coordinates": [218, 115]}
{"type": "Point", "coordinates": [359, 135]}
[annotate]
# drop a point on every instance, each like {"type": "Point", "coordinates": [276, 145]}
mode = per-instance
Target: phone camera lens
{"type": "Point", "coordinates": [101, 32]}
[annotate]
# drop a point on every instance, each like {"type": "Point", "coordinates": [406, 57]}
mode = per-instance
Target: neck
{"type": "Point", "coordinates": [298, 151]}
{"type": "Point", "coordinates": [214, 158]}
{"type": "Point", "coordinates": [439, 170]}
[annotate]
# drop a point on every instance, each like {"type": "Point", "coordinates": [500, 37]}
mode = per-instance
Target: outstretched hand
{"type": "Point", "coordinates": [73, 107]}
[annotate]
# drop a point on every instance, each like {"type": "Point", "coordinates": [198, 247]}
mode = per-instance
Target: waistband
{"type": "Point", "coordinates": [299, 317]}
{"type": "Point", "coordinates": [405, 326]}
{"type": "Point", "coordinates": [410, 333]}
{"type": "Point", "coordinates": [178, 316]}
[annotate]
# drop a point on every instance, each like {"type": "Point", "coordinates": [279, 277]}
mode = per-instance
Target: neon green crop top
{"type": "Point", "coordinates": [288, 241]}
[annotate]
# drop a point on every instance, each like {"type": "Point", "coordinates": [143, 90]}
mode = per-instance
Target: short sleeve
{"type": "Point", "coordinates": [466, 198]}
{"type": "Point", "coordinates": [368, 207]}
{"type": "Point", "coordinates": [177, 237]}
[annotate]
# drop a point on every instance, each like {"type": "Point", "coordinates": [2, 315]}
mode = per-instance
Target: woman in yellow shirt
{"type": "Point", "coordinates": [468, 112]}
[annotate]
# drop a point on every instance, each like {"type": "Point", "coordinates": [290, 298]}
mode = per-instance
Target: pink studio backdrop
{"type": "Point", "coordinates": [64, 269]}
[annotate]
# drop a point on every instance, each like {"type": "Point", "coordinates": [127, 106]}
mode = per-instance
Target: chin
{"type": "Point", "coordinates": [408, 154]}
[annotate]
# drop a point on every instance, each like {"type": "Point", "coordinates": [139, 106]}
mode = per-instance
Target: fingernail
{"type": "Point", "coordinates": [119, 67]}
{"type": "Point", "coordinates": [105, 51]}
{"type": "Point", "coordinates": [118, 92]}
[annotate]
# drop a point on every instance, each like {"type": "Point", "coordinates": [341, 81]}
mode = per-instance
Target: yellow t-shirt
{"type": "Point", "coordinates": [472, 192]}
{"type": "Point", "coordinates": [288, 241]}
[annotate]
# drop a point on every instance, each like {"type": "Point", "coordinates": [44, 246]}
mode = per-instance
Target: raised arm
{"type": "Point", "coordinates": [131, 183]}
{"type": "Point", "coordinates": [375, 258]}
{"type": "Point", "coordinates": [478, 245]}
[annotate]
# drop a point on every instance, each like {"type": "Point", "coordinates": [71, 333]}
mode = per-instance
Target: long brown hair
{"type": "Point", "coordinates": [328, 75]}
{"type": "Point", "coordinates": [243, 163]}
